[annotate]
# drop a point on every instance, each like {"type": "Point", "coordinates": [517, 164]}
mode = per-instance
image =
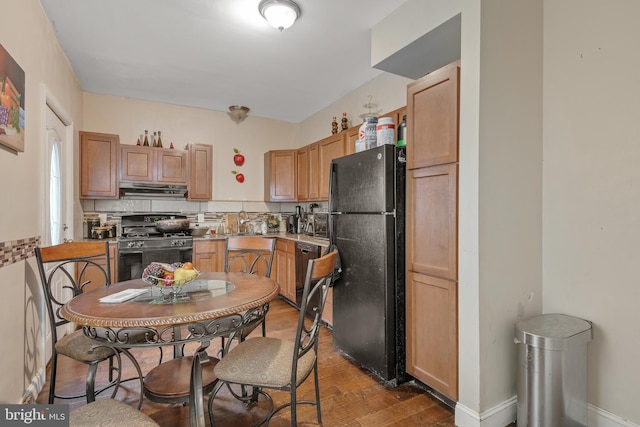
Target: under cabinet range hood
{"type": "Point", "coordinates": [130, 190]}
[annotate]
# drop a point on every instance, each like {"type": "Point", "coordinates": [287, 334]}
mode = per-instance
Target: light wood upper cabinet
{"type": "Point", "coordinates": [432, 118]}
{"type": "Point", "coordinates": [200, 172]}
{"type": "Point", "coordinates": [312, 165]}
{"type": "Point", "coordinates": [171, 166]}
{"type": "Point", "coordinates": [137, 164]}
{"type": "Point", "coordinates": [98, 165]}
{"type": "Point", "coordinates": [329, 148]}
{"type": "Point", "coordinates": [302, 173]}
{"type": "Point", "coordinates": [350, 139]}
{"type": "Point", "coordinates": [153, 165]}
{"type": "Point", "coordinates": [314, 172]}
{"type": "Point", "coordinates": [280, 175]}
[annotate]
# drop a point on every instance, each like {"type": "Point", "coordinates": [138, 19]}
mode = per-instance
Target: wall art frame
{"type": "Point", "coordinates": [12, 98]}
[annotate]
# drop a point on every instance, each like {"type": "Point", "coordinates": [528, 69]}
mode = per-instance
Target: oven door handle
{"type": "Point", "coordinates": [130, 253]}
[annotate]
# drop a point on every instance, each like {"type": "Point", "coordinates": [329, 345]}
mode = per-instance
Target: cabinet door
{"type": "Point", "coordinates": [330, 148]}
{"type": "Point", "coordinates": [281, 266]}
{"type": "Point", "coordinates": [93, 276]}
{"type": "Point", "coordinates": [137, 164]}
{"type": "Point", "coordinates": [113, 261]}
{"type": "Point", "coordinates": [432, 118]}
{"type": "Point", "coordinates": [291, 271]}
{"type": "Point", "coordinates": [302, 173]}
{"type": "Point", "coordinates": [314, 171]}
{"type": "Point", "coordinates": [98, 165]}
{"type": "Point", "coordinates": [200, 172]}
{"type": "Point", "coordinates": [432, 232]}
{"type": "Point", "coordinates": [279, 175]}
{"type": "Point", "coordinates": [327, 314]}
{"type": "Point", "coordinates": [351, 137]}
{"type": "Point", "coordinates": [208, 255]}
{"type": "Point", "coordinates": [432, 332]}
{"type": "Point", "coordinates": [171, 166]}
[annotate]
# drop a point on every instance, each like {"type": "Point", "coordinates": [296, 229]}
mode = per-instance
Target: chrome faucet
{"type": "Point", "coordinates": [242, 219]}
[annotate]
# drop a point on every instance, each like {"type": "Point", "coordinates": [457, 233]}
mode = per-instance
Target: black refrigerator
{"type": "Point", "coordinates": [367, 225]}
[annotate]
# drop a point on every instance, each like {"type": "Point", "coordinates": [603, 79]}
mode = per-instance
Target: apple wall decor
{"type": "Point", "coordinates": [238, 160]}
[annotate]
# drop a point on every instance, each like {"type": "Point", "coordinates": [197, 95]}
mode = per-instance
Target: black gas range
{"type": "Point", "coordinates": [141, 243]}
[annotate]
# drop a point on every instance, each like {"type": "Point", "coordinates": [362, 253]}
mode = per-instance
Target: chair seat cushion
{"type": "Point", "coordinates": [78, 346]}
{"type": "Point", "coordinates": [263, 362]}
{"type": "Point", "coordinates": [172, 379]}
{"type": "Point", "coordinates": [109, 412]}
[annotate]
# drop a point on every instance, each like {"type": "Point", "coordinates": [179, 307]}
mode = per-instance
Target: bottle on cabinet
{"type": "Point", "coordinates": [146, 139]}
{"type": "Point", "coordinates": [159, 140]}
{"type": "Point", "coordinates": [367, 137]}
{"type": "Point", "coordinates": [385, 131]}
{"type": "Point", "coordinates": [402, 132]}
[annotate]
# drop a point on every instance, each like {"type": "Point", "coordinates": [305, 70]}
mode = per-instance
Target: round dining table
{"type": "Point", "coordinates": [213, 305]}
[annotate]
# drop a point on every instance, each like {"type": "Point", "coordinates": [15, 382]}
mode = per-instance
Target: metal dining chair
{"type": "Point", "coordinates": [66, 270]}
{"type": "Point", "coordinates": [253, 255]}
{"type": "Point", "coordinates": [109, 412]}
{"type": "Point", "coordinates": [272, 363]}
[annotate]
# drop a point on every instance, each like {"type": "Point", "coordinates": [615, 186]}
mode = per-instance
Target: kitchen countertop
{"type": "Point", "coordinates": [288, 236]}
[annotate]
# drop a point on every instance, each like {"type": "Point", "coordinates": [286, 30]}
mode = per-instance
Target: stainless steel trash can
{"type": "Point", "coordinates": [552, 371]}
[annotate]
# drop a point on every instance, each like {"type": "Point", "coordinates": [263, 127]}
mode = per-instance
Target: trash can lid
{"type": "Point", "coordinates": [553, 331]}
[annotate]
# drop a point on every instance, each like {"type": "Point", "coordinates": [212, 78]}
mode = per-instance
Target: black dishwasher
{"type": "Point", "coordinates": [304, 252]}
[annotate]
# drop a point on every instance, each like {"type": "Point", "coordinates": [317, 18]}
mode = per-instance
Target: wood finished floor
{"type": "Point", "coordinates": [349, 397]}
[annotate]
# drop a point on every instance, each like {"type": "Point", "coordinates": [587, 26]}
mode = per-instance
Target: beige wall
{"type": "Point", "coordinates": [27, 36]}
{"type": "Point", "coordinates": [552, 232]}
{"type": "Point", "coordinates": [592, 186]}
{"type": "Point", "coordinates": [510, 187]}
{"type": "Point", "coordinates": [128, 118]}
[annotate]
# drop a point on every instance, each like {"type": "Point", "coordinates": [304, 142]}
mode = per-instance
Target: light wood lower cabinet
{"type": "Point", "coordinates": [432, 332]}
{"type": "Point", "coordinates": [327, 314]}
{"type": "Point", "coordinates": [94, 275]}
{"type": "Point", "coordinates": [208, 255]}
{"type": "Point", "coordinates": [285, 268]}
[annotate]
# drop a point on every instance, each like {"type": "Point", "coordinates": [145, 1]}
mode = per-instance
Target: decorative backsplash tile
{"type": "Point", "coordinates": [17, 250]}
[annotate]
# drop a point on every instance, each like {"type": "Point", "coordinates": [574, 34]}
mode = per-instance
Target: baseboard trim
{"type": "Point", "coordinates": [598, 417]}
{"type": "Point", "coordinates": [504, 414]}
{"type": "Point", "coordinates": [499, 416]}
{"type": "Point", "coordinates": [35, 387]}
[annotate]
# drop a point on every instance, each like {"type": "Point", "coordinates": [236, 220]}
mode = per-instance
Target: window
{"type": "Point", "coordinates": [55, 205]}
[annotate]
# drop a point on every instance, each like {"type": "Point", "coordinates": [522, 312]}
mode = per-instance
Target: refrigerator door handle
{"type": "Point", "coordinates": [332, 177]}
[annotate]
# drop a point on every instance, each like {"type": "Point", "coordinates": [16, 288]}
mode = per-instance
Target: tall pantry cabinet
{"type": "Point", "coordinates": [432, 230]}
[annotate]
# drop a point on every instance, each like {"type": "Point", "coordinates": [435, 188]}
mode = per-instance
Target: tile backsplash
{"type": "Point", "coordinates": [212, 213]}
{"type": "Point", "coordinates": [17, 250]}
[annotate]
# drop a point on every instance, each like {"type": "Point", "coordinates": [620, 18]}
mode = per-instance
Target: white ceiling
{"type": "Point", "coordinates": [216, 53]}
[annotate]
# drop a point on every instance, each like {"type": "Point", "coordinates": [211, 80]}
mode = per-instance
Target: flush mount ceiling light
{"type": "Point", "coordinates": [238, 113]}
{"type": "Point", "coordinates": [280, 14]}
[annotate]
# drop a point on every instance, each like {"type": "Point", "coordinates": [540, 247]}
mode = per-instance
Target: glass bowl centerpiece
{"type": "Point", "coordinates": [169, 277]}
